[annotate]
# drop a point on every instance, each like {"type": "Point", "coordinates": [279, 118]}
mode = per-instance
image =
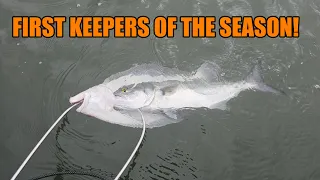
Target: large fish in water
{"type": "Point", "coordinates": [162, 96]}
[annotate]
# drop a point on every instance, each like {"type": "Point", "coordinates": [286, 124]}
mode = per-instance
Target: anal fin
{"type": "Point", "coordinates": [221, 105]}
{"type": "Point", "coordinates": [170, 113]}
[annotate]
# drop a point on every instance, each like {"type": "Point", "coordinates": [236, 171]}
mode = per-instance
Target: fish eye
{"type": "Point", "coordinates": [126, 88]}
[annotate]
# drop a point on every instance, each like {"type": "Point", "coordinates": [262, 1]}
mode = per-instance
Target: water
{"type": "Point", "coordinates": [262, 136]}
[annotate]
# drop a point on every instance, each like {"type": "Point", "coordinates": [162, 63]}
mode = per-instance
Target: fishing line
{"type": "Point", "coordinates": [40, 142]}
{"type": "Point", "coordinates": [75, 172]}
{"type": "Point", "coordinates": [136, 148]}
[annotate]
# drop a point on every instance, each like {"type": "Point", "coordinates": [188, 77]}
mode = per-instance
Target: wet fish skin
{"type": "Point", "coordinates": [161, 96]}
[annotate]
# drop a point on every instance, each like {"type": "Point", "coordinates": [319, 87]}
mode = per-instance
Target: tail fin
{"type": "Point", "coordinates": [255, 78]}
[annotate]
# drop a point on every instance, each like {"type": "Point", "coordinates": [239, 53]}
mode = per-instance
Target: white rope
{"type": "Point", "coordinates": [40, 142]}
{"type": "Point", "coordinates": [57, 121]}
{"type": "Point", "coordinates": [136, 148]}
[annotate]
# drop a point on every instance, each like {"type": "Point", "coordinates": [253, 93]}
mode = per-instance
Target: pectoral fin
{"type": "Point", "coordinates": [168, 90]}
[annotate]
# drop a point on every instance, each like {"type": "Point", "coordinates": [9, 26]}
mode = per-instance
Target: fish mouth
{"type": "Point", "coordinates": [99, 97]}
{"type": "Point", "coordinates": [81, 99]}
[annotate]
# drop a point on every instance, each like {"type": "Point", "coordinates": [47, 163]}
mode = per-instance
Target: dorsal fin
{"type": "Point", "coordinates": [208, 71]}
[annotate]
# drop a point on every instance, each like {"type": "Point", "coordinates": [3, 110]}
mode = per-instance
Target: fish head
{"type": "Point", "coordinates": [98, 102]}
{"type": "Point", "coordinates": [97, 99]}
{"type": "Point", "coordinates": [134, 96]}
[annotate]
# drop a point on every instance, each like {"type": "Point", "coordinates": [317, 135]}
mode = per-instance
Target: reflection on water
{"type": "Point", "coordinates": [260, 137]}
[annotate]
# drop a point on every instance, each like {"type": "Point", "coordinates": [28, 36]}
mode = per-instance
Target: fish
{"type": "Point", "coordinates": [163, 101]}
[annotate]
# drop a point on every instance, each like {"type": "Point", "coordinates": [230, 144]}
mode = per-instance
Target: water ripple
{"type": "Point", "coordinates": [236, 7]}
{"type": "Point", "coordinates": [175, 164]}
